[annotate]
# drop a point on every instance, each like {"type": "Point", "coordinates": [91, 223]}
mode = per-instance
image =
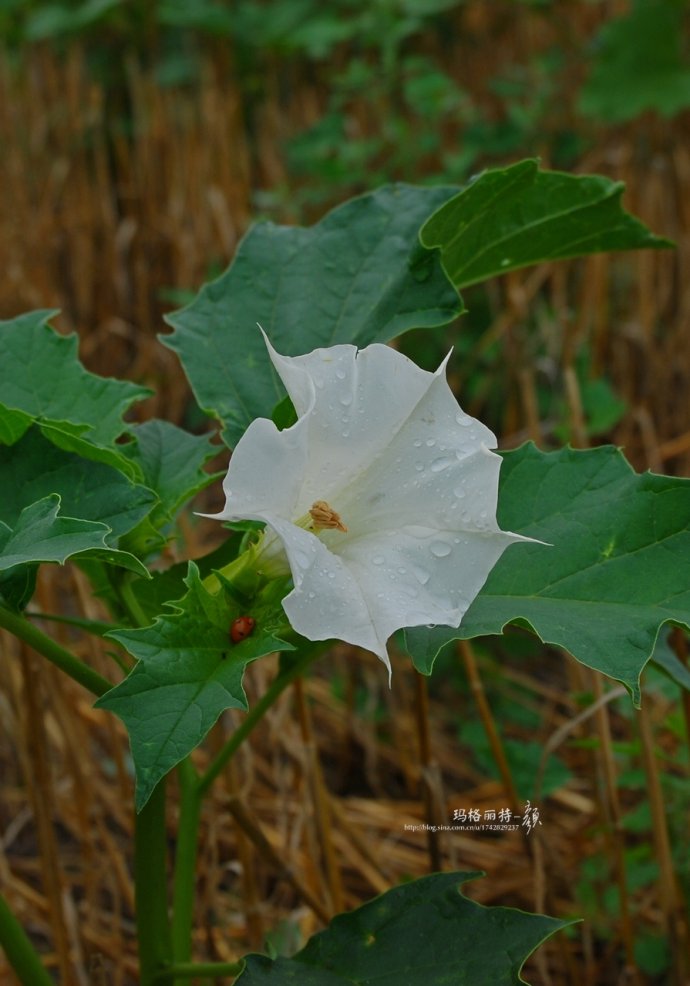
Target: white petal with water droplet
{"type": "Point", "coordinates": [412, 477]}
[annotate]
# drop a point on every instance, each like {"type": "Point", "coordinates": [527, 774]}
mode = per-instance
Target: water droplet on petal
{"type": "Point", "coordinates": [438, 465]}
{"type": "Point", "coordinates": [420, 574]}
{"type": "Point", "coordinates": [378, 560]}
{"type": "Point", "coordinates": [417, 443]}
{"type": "Point", "coordinates": [430, 442]}
{"type": "Point", "coordinates": [440, 549]}
{"type": "Point", "coordinates": [419, 466]}
{"type": "Point", "coordinates": [301, 558]}
{"type": "Point", "coordinates": [340, 373]}
{"type": "Point", "coordinates": [460, 492]}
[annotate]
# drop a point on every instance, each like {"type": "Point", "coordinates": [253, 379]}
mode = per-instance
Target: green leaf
{"type": "Point", "coordinates": [17, 586]}
{"type": "Point", "coordinates": [358, 276]}
{"type": "Point", "coordinates": [170, 586]}
{"type": "Point", "coordinates": [33, 469]}
{"type": "Point", "coordinates": [43, 382]}
{"type": "Point", "coordinates": [513, 217]}
{"type": "Point", "coordinates": [670, 663]}
{"type": "Point", "coordinates": [423, 933]}
{"type": "Point", "coordinates": [40, 535]}
{"type": "Point", "coordinates": [640, 64]}
{"type": "Point", "coordinates": [188, 673]}
{"type": "Point", "coordinates": [618, 568]}
{"type": "Point", "coordinates": [171, 462]}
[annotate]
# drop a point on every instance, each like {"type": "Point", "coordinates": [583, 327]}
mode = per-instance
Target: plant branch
{"type": "Point", "coordinates": [191, 798]}
{"type": "Point", "coordinates": [150, 878]}
{"type": "Point", "coordinates": [300, 663]}
{"type": "Point", "coordinates": [53, 652]}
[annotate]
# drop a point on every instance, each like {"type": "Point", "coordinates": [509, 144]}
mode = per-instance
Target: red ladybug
{"type": "Point", "coordinates": [242, 628]}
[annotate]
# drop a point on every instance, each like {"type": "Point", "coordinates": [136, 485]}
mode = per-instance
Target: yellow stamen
{"type": "Point", "coordinates": [326, 517]}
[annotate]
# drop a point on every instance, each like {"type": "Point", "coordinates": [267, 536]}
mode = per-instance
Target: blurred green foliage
{"type": "Point", "coordinates": [640, 63]}
{"type": "Point", "coordinates": [394, 101]}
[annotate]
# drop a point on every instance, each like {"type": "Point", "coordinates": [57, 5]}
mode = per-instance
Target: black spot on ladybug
{"type": "Point", "coordinates": [242, 628]}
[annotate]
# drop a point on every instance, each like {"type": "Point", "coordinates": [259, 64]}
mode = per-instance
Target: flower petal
{"type": "Point", "coordinates": [327, 601]}
{"type": "Point", "coordinates": [416, 576]}
{"type": "Point", "coordinates": [266, 472]}
{"type": "Point", "coordinates": [357, 403]}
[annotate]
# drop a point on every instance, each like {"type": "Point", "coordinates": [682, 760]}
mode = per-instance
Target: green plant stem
{"type": "Point", "coordinates": [21, 955]}
{"type": "Point", "coordinates": [301, 661]}
{"type": "Point", "coordinates": [150, 878]}
{"type": "Point", "coordinates": [191, 799]}
{"type": "Point", "coordinates": [57, 655]}
{"type": "Point", "coordinates": [193, 789]}
{"type": "Point", "coordinates": [131, 603]}
{"type": "Point", "coordinates": [150, 856]}
{"type": "Point", "coordinates": [198, 970]}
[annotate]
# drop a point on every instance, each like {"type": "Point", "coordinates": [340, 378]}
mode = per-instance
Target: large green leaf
{"type": "Point", "coordinates": [188, 673]}
{"type": "Point", "coordinates": [91, 496]}
{"type": "Point", "coordinates": [423, 933]}
{"type": "Point", "coordinates": [358, 276]}
{"type": "Point", "coordinates": [617, 570]}
{"type": "Point", "coordinates": [43, 382]}
{"type": "Point", "coordinates": [33, 467]}
{"type": "Point", "coordinates": [516, 216]}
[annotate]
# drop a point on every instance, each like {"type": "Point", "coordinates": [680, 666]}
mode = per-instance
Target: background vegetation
{"type": "Point", "coordinates": [139, 140]}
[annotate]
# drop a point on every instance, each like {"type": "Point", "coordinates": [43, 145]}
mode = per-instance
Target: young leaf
{"type": "Point", "coordinates": [33, 469]}
{"type": "Point", "coordinates": [41, 535]}
{"type": "Point", "coordinates": [357, 276]}
{"type": "Point", "coordinates": [188, 673]}
{"type": "Point", "coordinates": [617, 570]}
{"type": "Point", "coordinates": [423, 933]}
{"type": "Point", "coordinates": [42, 381]}
{"type": "Point", "coordinates": [513, 217]}
{"type": "Point", "coordinates": [171, 462]}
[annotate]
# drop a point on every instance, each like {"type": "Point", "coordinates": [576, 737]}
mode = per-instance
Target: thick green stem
{"type": "Point", "coordinates": [280, 683]}
{"type": "Point", "coordinates": [21, 955]}
{"type": "Point", "coordinates": [192, 791]}
{"type": "Point", "coordinates": [150, 877]}
{"type": "Point", "coordinates": [185, 861]}
{"type": "Point", "coordinates": [57, 655]}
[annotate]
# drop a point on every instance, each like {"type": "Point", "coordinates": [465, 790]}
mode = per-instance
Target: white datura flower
{"type": "Point", "coordinates": [381, 498]}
